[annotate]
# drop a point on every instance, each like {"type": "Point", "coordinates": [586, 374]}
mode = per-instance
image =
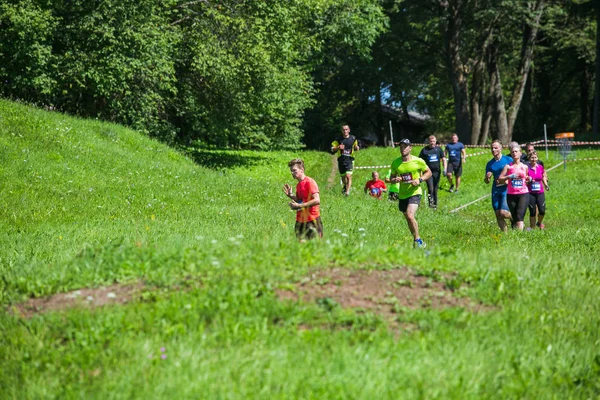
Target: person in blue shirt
{"type": "Point", "coordinates": [455, 152]}
{"type": "Point", "coordinates": [492, 171]}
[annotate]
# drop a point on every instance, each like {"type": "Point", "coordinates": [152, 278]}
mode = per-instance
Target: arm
{"type": "Point", "coordinates": [444, 162]}
{"type": "Point", "coordinates": [503, 177]}
{"type": "Point", "coordinates": [424, 176]}
{"type": "Point", "coordinates": [314, 201]}
{"type": "Point", "coordinates": [356, 148]}
{"type": "Point", "coordinates": [287, 189]}
{"type": "Point", "coordinates": [335, 146]}
{"type": "Point", "coordinates": [488, 177]}
{"type": "Point", "coordinates": [463, 154]}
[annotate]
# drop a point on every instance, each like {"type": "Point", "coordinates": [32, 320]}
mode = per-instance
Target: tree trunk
{"type": "Point", "coordinates": [456, 68]}
{"type": "Point", "coordinates": [487, 118]}
{"type": "Point", "coordinates": [497, 98]}
{"type": "Point", "coordinates": [529, 36]}
{"type": "Point", "coordinates": [584, 102]}
{"type": "Point", "coordinates": [476, 100]}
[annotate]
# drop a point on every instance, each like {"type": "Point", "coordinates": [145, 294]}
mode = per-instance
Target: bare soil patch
{"type": "Point", "coordinates": [88, 298]}
{"type": "Point", "coordinates": [385, 293]}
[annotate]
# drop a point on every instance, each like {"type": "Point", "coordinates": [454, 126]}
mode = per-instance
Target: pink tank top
{"type": "Point", "coordinates": [536, 185]}
{"type": "Point", "coordinates": [518, 185]}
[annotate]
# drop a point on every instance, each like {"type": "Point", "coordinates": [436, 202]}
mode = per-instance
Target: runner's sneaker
{"type": "Point", "coordinates": [420, 243]}
{"type": "Point", "coordinates": [451, 188]}
{"type": "Point", "coordinates": [541, 226]}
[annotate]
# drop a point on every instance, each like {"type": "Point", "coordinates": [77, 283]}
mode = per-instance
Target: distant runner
{"type": "Point", "coordinates": [306, 201]}
{"type": "Point", "coordinates": [518, 193]}
{"type": "Point", "coordinates": [493, 169]}
{"type": "Point", "coordinates": [393, 188]}
{"type": "Point", "coordinates": [410, 171]}
{"type": "Point", "coordinates": [434, 158]}
{"type": "Point", "coordinates": [456, 158]}
{"type": "Point", "coordinates": [529, 148]}
{"type": "Point", "coordinates": [345, 145]}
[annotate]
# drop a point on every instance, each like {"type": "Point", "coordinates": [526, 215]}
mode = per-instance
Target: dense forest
{"type": "Point", "coordinates": [279, 74]}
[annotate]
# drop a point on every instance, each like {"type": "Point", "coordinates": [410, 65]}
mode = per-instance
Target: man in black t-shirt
{"type": "Point", "coordinates": [434, 158]}
{"type": "Point", "coordinates": [529, 148]}
{"type": "Point", "coordinates": [345, 145]}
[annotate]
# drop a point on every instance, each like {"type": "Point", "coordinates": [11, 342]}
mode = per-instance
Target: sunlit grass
{"type": "Point", "coordinates": [84, 204]}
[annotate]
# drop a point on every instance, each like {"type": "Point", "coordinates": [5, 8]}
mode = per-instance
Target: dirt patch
{"type": "Point", "coordinates": [89, 298]}
{"type": "Point", "coordinates": [385, 293]}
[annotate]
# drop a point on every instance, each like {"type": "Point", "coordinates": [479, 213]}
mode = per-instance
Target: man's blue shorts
{"type": "Point", "coordinates": [499, 201]}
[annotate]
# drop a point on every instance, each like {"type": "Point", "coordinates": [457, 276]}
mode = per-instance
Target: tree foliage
{"type": "Point", "coordinates": [232, 73]}
{"type": "Point", "coordinates": [284, 73]}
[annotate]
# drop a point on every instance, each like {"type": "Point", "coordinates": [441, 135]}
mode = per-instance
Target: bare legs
{"type": "Point", "coordinates": [411, 210]}
{"type": "Point", "coordinates": [347, 180]}
{"type": "Point", "coordinates": [501, 217]}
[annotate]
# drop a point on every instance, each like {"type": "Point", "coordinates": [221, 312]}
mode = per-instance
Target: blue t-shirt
{"type": "Point", "coordinates": [454, 150]}
{"type": "Point", "coordinates": [496, 167]}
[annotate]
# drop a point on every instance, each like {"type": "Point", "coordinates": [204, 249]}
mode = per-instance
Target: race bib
{"type": "Point", "coordinates": [536, 186]}
{"type": "Point", "coordinates": [406, 177]}
{"type": "Point", "coordinates": [347, 152]}
{"type": "Point", "coordinates": [433, 158]}
{"type": "Point", "coordinates": [517, 183]}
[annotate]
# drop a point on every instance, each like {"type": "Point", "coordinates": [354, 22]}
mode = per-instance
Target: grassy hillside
{"type": "Point", "coordinates": [209, 239]}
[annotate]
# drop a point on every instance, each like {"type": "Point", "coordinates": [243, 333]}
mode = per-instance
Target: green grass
{"type": "Point", "coordinates": [85, 204]}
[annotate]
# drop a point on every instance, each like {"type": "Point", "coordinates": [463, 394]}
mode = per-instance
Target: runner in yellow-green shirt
{"type": "Point", "coordinates": [409, 172]}
{"type": "Point", "coordinates": [393, 188]}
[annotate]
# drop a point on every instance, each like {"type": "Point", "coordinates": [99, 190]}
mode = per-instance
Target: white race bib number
{"type": "Point", "coordinates": [536, 186]}
{"type": "Point", "coordinates": [406, 177]}
{"type": "Point", "coordinates": [433, 158]}
{"type": "Point", "coordinates": [517, 183]}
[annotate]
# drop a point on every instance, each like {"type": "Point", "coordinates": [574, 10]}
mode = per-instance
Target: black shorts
{"type": "Point", "coordinates": [393, 196]}
{"type": "Point", "coordinates": [517, 204]}
{"type": "Point", "coordinates": [454, 167]}
{"type": "Point", "coordinates": [309, 230]}
{"type": "Point", "coordinates": [403, 203]}
{"type": "Point", "coordinates": [539, 200]}
{"type": "Point", "coordinates": [345, 164]}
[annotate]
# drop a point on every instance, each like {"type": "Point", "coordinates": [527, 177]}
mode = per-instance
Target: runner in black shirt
{"type": "Point", "coordinates": [345, 145]}
{"type": "Point", "coordinates": [432, 154]}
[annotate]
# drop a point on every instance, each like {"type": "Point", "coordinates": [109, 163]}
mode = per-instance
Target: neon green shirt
{"type": "Point", "coordinates": [392, 187]}
{"type": "Point", "coordinates": [408, 171]}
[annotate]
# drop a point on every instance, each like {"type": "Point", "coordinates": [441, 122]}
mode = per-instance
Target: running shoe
{"type": "Point", "coordinates": [541, 226]}
{"type": "Point", "coordinates": [419, 243]}
{"type": "Point", "coordinates": [451, 188]}
{"type": "Point", "coordinates": [456, 191]}
{"type": "Point", "coordinates": [344, 189]}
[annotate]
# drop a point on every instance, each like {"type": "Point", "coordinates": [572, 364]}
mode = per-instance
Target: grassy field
{"type": "Point", "coordinates": [208, 237]}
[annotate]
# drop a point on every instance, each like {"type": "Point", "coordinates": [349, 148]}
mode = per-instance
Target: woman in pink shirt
{"type": "Point", "coordinates": [517, 196]}
{"type": "Point", "coordinates": [537, 184]}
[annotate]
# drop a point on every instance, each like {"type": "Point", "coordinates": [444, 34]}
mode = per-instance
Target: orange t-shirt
{"type": "Point", "coordinates": [304, 191]}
